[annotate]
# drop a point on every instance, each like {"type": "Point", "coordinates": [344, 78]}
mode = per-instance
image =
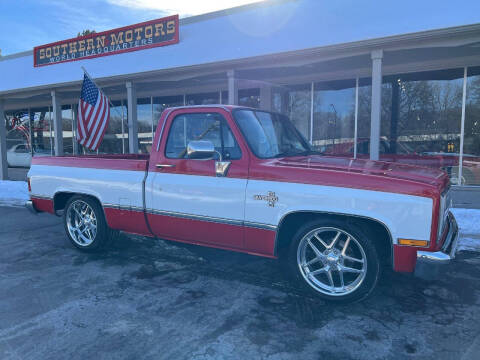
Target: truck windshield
{"type": "Point", "coordinates": [270, 135]}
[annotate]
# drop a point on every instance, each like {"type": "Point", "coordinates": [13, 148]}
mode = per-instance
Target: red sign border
{"type": "Point", "coordinates": [175, 40]}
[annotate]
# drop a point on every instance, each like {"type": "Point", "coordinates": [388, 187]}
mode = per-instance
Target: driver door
{"type": "Point", "coordinates": [186, 200]}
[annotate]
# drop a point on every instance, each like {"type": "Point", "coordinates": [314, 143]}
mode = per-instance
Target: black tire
{"type": "Point", "coordinates": [102, 234]}
{"type": "Point", "coordinates": [368, 270]}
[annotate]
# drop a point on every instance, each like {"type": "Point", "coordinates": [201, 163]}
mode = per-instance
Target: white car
{"type": "Point", "coordinates": [20, 156]}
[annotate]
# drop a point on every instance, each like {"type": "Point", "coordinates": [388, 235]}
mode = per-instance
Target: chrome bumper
{"type": "Point", "coordinates": [431, 265]}
{"type": "Point", "coordinates": [29, 205]}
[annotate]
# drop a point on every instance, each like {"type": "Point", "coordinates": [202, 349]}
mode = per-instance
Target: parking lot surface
{"type": "Point", "coordinates": [151, 299]}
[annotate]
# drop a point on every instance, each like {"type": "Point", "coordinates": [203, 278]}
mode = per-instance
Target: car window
{"type": "Point", "coordinates": [202, 126]}
{"type": "Point", "coordinates": [21, 149]}
{"type": "Point", "coordinates": [270, 135]}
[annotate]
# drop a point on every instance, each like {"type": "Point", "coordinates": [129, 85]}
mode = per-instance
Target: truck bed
{"type": "Point", "coordinates": [115, 180]}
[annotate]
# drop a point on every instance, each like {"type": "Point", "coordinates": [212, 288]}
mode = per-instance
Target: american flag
{"type": "Point", "coordinates": [93, 115]}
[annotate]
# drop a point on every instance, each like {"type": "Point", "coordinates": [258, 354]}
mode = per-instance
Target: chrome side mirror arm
{"type": "Point", "coordinates": [221, 168]}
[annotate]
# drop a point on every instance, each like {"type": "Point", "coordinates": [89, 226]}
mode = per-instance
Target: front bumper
{"type": "Point", "coordinates": [29, 205]}
{"type": "Point", "coordinates": [432, 265]}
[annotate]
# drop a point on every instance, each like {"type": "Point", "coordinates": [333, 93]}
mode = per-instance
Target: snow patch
{"type": "Point", "coordinates": [13, 193]}
{"type": "Point", "coordinates": [468, 220]}
{"type": "Point", "coordinates": [469, 244]}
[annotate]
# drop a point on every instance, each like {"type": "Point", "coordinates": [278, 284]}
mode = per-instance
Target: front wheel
{"type": "Point", "coordinates": [334, 260]}
{"type": "Point", "coordinates": [85, 223]}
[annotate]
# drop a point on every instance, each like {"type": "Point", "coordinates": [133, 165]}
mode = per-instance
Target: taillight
{"type": "Point", "coordinates": [29, 186]}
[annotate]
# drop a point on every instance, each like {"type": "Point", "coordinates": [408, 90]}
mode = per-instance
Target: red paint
{"type": "Point", "coordinates": [44, 205]}
{"type": "Point", "coordinates": [261, 241]}
{"type": "Point", "coordinates": [175, 40]}
{"type": "Point", "coordinates": [430, 160]}
{"type": "Point", "coordinates": [404, 258]}
{"type": "Point", "coordinates": [127, 220]}
{"type": "Point", "coordinates": [131, 162]}
{"type": "Point", "coordinates": [196, 231]}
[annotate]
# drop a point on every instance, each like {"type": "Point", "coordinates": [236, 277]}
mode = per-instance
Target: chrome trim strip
{"type": "Point", "coordinates": [195, 217]}
{"type": "Point", "coordinates": [260, 225]}
{"type": "Point", "coordinates": [123, 207]}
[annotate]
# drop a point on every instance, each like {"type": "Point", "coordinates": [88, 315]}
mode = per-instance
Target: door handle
{"type": "Point", "coordinates": [162, 166]}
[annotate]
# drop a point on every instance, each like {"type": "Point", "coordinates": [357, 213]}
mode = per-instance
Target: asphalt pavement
{"type": "Point", "coordinates": [150, 299]}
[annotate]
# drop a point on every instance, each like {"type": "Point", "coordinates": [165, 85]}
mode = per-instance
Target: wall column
{"type": "Point", "coordinates": [232, 88]}
{"type": "Point", "coordinates": [57, 123]}
{"type": "Point", "coordinates": [3, 145]}
{"type": "Point", "coordinates": [132, 118]}
{"type": "Point", "coordinates": [377, 56]}
{"type": "Point", "coordinates": [74, 128]}
{"type": "Point", "coordinates": [266, 98]}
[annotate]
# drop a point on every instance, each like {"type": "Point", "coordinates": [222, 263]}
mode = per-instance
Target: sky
{"type": "Point", "coordinates": [28, 23]}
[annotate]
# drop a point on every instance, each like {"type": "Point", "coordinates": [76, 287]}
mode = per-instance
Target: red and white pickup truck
{"type": "Point", "coordinates": [246, 180]}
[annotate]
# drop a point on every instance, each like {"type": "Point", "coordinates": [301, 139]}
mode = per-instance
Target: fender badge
{"type": "Point", "coordinates": [271, 198]}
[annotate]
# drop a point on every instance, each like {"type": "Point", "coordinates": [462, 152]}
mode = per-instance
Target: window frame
{"type": "Point", "coordinates": [223, 120]}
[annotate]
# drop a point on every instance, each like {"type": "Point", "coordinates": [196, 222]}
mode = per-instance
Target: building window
{"type": "Point", "coordinates": [163, 102]}
{"type": "Point", "coordinates": [203, 99]}
{"type": "Point", "coordinates": [421, 118]}
{"type": "Point", "coordinates": [334, 117]}
{"type": "Point", "coordinates": [145, 124]}
{"type": "Point", "coordinates": [298, 109]}
{"type": "Point", "coordinates": [42, 130]}
{"type": "Point", "coordinates": [471, 143]}
{"type": "Point", "coordinates": [115, 140]}
{"type": "Point", "coordinates": [67, 129]}
{"type": "Point", "coordinates": [249, 98]}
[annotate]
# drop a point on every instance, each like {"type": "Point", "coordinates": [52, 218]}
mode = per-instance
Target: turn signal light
{"type": "Point", "coordinates": [410, 242]}
{"type": "Point", "coordinates": [29, 186]}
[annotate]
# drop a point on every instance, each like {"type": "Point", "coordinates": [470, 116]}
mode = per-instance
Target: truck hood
{"type": "Point", "coordinates": [369, 168]}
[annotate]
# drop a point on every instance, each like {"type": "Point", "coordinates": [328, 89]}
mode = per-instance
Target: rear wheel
{"type": "Point", "coordinates": [85, 223]}
{"type": "Point", "coordinates": [334, 260]}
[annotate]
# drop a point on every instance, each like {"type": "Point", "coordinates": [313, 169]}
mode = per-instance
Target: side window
{"type": "Point", "coordinates": [21, 149]}
{"type": "Point", "coordinates": [202, 126]}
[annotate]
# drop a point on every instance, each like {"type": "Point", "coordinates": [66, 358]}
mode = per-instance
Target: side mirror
{"type": "Point", "coordinates": [200, 149]}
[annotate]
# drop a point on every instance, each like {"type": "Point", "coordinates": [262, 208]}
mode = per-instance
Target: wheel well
{"type": "Point", "coordinates": [375, 230]}
{"type": "Point", "coordinates": [61, 198]}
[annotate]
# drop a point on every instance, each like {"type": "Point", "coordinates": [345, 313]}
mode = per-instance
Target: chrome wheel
{"type": "Point", "coordinates": [81, 223]}
{"type": "Point", "coordinates": [331, 261]}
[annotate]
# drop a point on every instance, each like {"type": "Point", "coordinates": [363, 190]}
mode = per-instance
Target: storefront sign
{"type": "Point", "coordinates": [145, 35]}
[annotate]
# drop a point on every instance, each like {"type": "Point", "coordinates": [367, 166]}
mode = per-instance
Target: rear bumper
{"type": "Point", "coordinates": [29, 205]}
{"type": "Point", "coordinates": [432, 265]}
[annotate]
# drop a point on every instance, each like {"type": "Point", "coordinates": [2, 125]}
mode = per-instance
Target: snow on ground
{"type": "Point", "coordinates": [468, 221]}
{"type": "Point", "coordinates": [13, 193]}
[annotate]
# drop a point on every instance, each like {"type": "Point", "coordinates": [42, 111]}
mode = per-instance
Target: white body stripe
{"type": "Point", "coordinates": [405, 216]}
{"type": "Point", "coordinates": [119, 187]}
{"type": "Point", "coordinates": [219, 197]}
